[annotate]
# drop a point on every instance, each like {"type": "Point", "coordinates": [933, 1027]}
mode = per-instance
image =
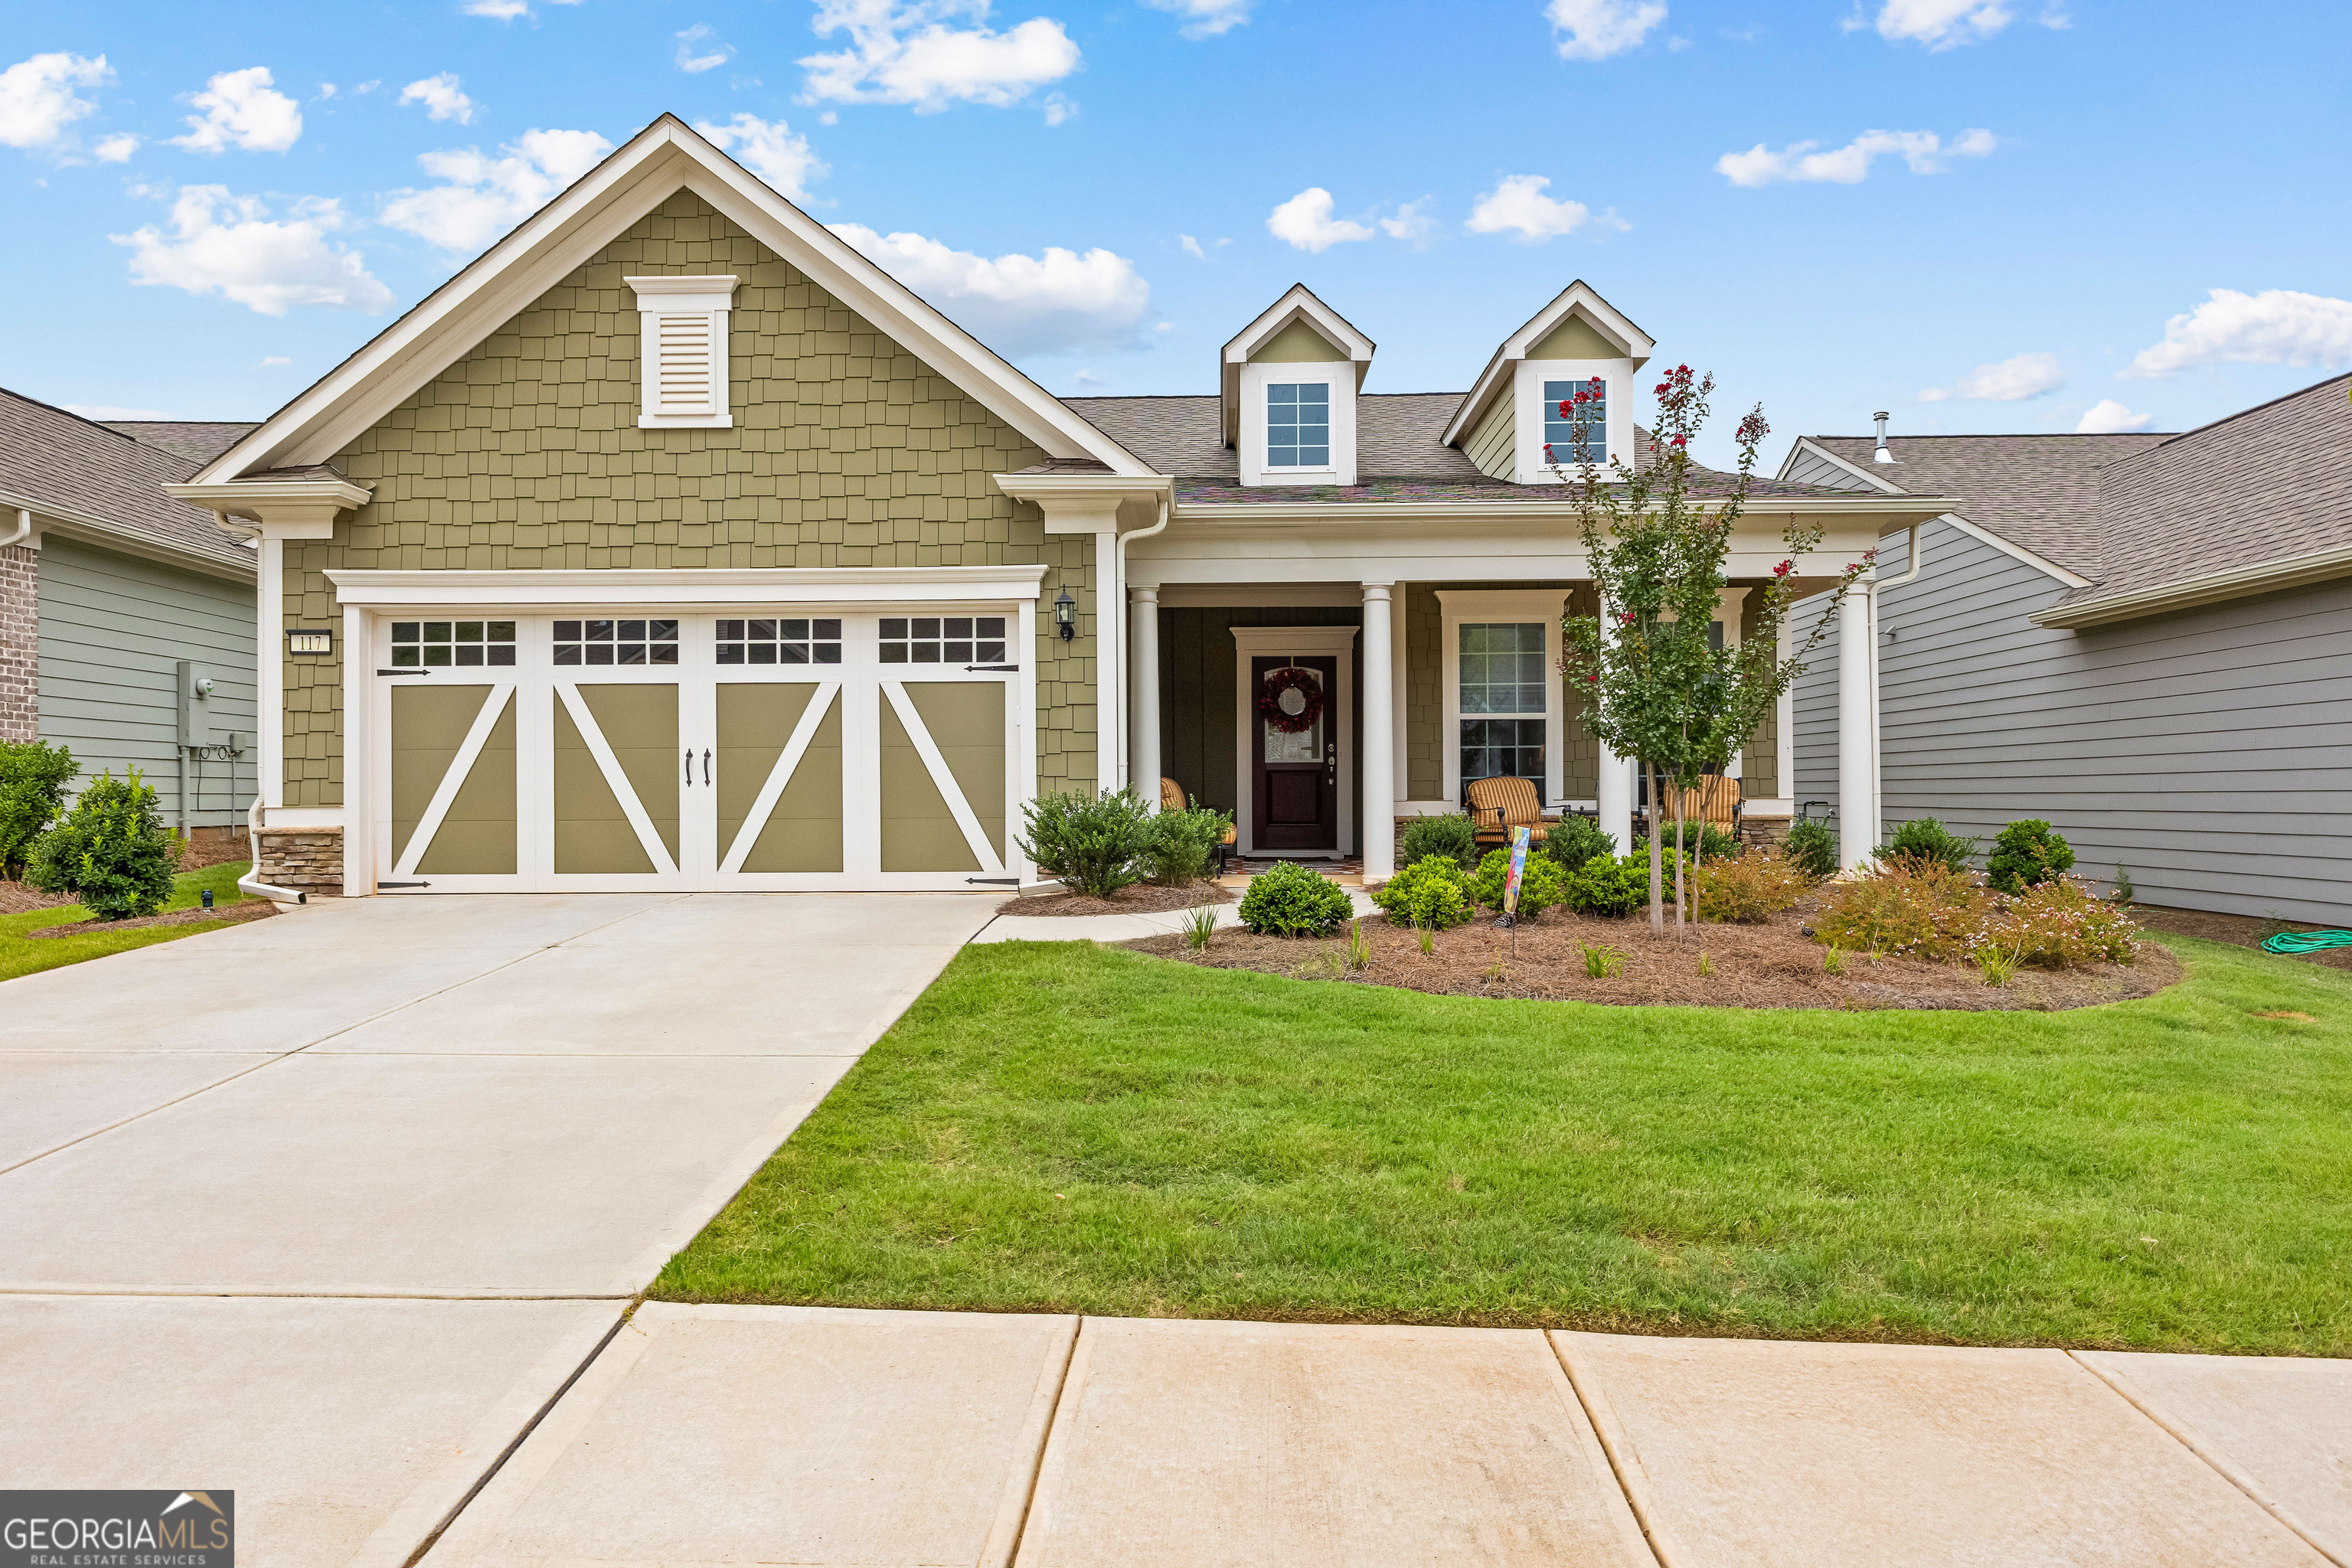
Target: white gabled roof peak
{"type": "Point", "coordinates": [1297, 305]}
{"type": "Point", "coordinates": [1580, 300]}
{"type": "Point", "coordinates": [666, 157]}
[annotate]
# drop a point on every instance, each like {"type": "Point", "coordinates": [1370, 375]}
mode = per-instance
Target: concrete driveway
{"type": "Point", "coordinates": [404, 1162]}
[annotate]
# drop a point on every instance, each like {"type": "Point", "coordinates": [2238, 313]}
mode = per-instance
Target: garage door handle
{"type": "Point", "coordinates": [690, 767]}
{"type": "Point", "coordinates": [969, 668]}
{"type": "Point", "coordinates": [706, 766]}
{"type": "Point", "coordinates": [404, 672]}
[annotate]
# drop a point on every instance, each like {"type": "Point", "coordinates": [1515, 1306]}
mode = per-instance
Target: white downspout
{"type": "Point", "coordinates": [24, 530]}
{"type": "Point", "coordinates": [1120, 716]}
{"type": "Point", "coordinates": [1878, 766]}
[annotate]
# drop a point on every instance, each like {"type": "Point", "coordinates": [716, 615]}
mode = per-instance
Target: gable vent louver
{"type": "Point", "coordinates": [684, 344]}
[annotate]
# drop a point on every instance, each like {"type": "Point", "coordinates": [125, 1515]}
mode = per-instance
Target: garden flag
{"type": "Point", "coordinates": [1518, 866]}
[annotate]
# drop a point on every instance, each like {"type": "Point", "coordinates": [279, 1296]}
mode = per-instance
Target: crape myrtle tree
{"type": "Point", "coordinates": [1650, 684]}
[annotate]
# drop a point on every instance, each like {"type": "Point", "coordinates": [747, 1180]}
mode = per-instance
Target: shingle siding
{"type": "Point", "coordinates": [847, 451]}
{"type": "Point", "coordinates": [2205, 752]}
{"type": "Point", "coordinates": [113, 628]}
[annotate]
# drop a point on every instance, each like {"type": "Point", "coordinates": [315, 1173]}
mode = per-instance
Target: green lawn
{"type": "Point", "coordinates": [1056, 1126]}
{"type": "Point", "coordinates": [20, 954]}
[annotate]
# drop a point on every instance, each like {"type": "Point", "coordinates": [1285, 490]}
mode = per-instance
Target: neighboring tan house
{"type": "Point", "coordinates": [2145, 639]}
{"type": "Point", "coordinates": [674, 543]}
{"type": "Point", "coordinates": [128, 615]}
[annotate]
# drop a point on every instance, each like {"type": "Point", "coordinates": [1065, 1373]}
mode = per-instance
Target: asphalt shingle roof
{"type": "Point", "coordinates": [199, 440]}
{"type": "Point", "coordinates": [2038, 491]}
{"type": "Point", "coordinates": [61, 460]}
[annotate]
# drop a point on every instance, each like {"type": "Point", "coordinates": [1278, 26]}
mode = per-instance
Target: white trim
{"type": "Point", "coordinates": [1261, 642]}
{"type": "Point", "coordinates": [714, 589]}
{"type": "Point", "coordinates": [1458, 606]}
{"type": "Point", "coordinates": [2188, 592]}
{"type": "Point", "coordinates": [704, 299]}
{"type": "Point", "coordinates": [1298, 304]}
{"type": "Point", "coordinates": [122, 538]}
{"type": "Point", "coordinates": [1530, 400]}
{"type": "Point", "coordinates": [1254, 595]}
{"type": "Point", "coordinates": [1805, 444]}
{"type": "Point", "coordinates": [665, 157]}
{"type": "Point", "coordinates": [2014, 550]}
{"type": "Point", "coordinates": [1605, 317]}
{"type": "Point", "coordinates": [1255, 379]}
{"type": "Point", "coordinates": [935, 763]}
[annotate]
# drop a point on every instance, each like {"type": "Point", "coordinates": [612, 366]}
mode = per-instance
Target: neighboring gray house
{"type": "Point", "coordinates": [2145, 639]}
{"type": "Point", "coordinates": [126, 618]}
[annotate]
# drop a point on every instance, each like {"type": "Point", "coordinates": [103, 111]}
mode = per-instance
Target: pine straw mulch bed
{"type": "Point", "coordinates": [1140, 899]}
{"type": "Point", "coordinates": [1773, 965]}
{"type": "Point", "coordinates": [249, 909]}
{"type": "Point", "coordinates": [22, 897]}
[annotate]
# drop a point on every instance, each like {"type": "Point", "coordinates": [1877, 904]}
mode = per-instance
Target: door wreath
{"type": "Point", "coordinates": [1292, 699]}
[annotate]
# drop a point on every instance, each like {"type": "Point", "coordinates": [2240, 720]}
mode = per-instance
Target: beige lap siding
{"type": "Point", "coordinates": [847, 451]}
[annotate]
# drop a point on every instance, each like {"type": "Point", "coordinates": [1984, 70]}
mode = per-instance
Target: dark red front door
{"type": "Point", "coordinates": [1295, 773]}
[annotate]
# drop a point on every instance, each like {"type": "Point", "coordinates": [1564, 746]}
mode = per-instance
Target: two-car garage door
{"type": "Point", "coordinates": [697, 750]}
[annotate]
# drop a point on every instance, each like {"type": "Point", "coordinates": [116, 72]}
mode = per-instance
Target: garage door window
{"type": "Point", "coordinates": [436, 644]}
{"type": "Point", "coordinates": [616, 642]}
{"type": "Point", "coordinates": [943, 640]}
{"type": "Point", "coordinates": [816, 640]}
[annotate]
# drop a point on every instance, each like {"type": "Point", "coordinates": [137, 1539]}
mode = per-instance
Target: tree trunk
{"type": "Point", "coordinates": [1657, 894]}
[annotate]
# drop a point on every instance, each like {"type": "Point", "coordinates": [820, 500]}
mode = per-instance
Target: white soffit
{"type": "Point", "coordinates": [538, 253]}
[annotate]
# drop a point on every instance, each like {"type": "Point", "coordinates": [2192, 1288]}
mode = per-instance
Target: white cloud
{"type": "Point", "coordinates": [239, 110]}
{"type": "Point", "coordinates": [907, 53]}
{"type": "Point", "coordinates": [37, 100]}
{"type": "Point", "coordinates": [1205, 18]}
{"type": "Point", "coordinates": [2106, 417]}
{"type": "Point", "coordinates": [1596, 29]}
{"type": "Point", "coordinates": [482, 197]}
{"type": "Point", "coordinates": [2277, 326]}
{"type": "Point", "coordinates": [103, 412]}
{"type": "Point", "coordinates": [326, 89]}
{"type": "Point", "coordinates": [498, 10]}
{"type": "Point", "coordinates": [441, 97]}
{"type": "Point", "coordinates": [770, 150]}
{"type": "Point", "coordinates": [1060, 302]}
{"type": "Point", "coordinates": [230, 246]}
{"type": "Point", "coordinates": [1305, 223]}
{"type": "Point", "coordinates": [1940, 24]}
{"type": "Point", "coordinates": [1922, 151]}
{"type": "Point", "coordinates": [1517, 205]}
{"type": "Point", "coordinates": [2024, 375]}
{"type": "Point", "coordinates": [273, 362]}
{"type": "Point", "coordinates": [117, 148]}
{"type": "Point", "coordinates": [711, 57]}
{"type": "Point", "coordinates": [1058, 109]}
{"type": "Point", "coordinates": [1412, 223]}
{"type": "Point", "coordinates": [1087, 381]}
{"type": "Point", "coordinates": [1192, 247]}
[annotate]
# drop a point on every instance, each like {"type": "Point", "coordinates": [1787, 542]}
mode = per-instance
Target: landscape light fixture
{"type": "Point", "coordinates": [309, 642]}
{"type": "Point", "coordinates": [1066, 616]}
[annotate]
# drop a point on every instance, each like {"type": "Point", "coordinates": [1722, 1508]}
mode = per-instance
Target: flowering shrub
{"type": "Point", "coordinates": [1539, 882]}
{"type": "Point", "coordinates": [1751, 886]}
{"type": "Point", "coordinates": [2061, 924]}
{"type": "Point", "coordinates": [1919, 909]}
{"type": "Point", "coordinates": [1432, 893]}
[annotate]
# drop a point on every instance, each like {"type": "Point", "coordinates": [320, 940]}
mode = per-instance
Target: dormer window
{"type": "Point", "coordinates": [1299, 424]}
{"type": "Point", "coordinates": [1511, 426]}
{"type": "Point", "coordinates": [1568, 405]}
{"type": "Point", "coordinates": [682, 350]}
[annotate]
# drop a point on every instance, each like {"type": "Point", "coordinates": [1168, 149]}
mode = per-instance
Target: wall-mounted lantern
{"type": "Point", "coordinates": [1066, 616]}
{"type": "Point", "coordinates": [304, 642]}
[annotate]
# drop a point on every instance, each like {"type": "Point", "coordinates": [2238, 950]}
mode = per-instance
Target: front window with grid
{"type": "Point", "coordinates": [1298, 426]}
{"type": "Point", "coordinates": [943, 640]}
{"type": "Point", "coordinates": [786, 641]}
{"type": "Point", "coordinates": [1503, 701]}
{"type": "Point", "coordinates": [616, 642]}
{"type": "Point", "coordinates": [431, 645]}
{"type": "Point", "coordinates": [1560, 429]}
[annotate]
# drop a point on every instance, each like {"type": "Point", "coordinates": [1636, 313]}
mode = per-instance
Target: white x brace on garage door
{"type": "Point", "coordinates": [618, 745]}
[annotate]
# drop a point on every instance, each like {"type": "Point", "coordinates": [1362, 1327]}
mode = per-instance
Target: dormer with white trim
{"type": "Point", "coordinates": [682, 349]}
{"type": "Point", "coordinates": [1287, 391]}
{"type": "Point", "coordinates": [1512, 413]}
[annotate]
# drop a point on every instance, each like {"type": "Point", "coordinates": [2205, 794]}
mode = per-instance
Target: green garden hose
{"type": "Point", "coordinates": [2307, 940]}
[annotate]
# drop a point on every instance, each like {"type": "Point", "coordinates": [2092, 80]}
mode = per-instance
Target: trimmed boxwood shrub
{"type": "Point", "coordinates": [1615, 884]}
{"type": "Point", "coordinates": [1432, 893]}
{"type": "Point", "coordinates": [33, 779]}
{"type": "Point", "coordinates": [1289, 899]}
{"type": "Point", "coordinates": [1539, 883]}
{"type": "Point", "coordinates": [1088, 842]}
{"type": "Point", "coordinates": [2026, 854]}
{"type": "Point", "coordinates": [110, 851]}
{"type": "Point", "coordinates": [1929, 840]}
{"type": "Point", "coordinates": [1455, 838]}
{"type": "Point", "coordinates": [1813, 848]}
{"type": "Point", "coordinates": [1573, 840]}
{"type": "Point", "coordinates": [1178, 845]}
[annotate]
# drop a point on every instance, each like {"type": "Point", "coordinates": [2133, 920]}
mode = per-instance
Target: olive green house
{"type": "Point", "coordinates": [674, 543]}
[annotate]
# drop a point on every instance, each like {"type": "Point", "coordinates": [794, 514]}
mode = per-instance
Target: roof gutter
{"type": "Point", "coordinates": [1565, 509]}
{"type": "Point", "coordinates": [2235, 583]}
{"type": "Point", "coordinates": [115, 536]}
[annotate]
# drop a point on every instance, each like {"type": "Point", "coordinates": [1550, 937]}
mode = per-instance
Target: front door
{"type": "Point", "coordinates": [1294, 753]}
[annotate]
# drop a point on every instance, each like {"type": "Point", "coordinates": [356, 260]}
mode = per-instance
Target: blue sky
{"type": "Point", "coordinates": [1981, 214]}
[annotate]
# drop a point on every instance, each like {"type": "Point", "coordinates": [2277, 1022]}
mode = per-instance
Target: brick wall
{"type": "Point", "coordinates": [20, 644]}
{"type": "Point", "coordinates": [847, 451]}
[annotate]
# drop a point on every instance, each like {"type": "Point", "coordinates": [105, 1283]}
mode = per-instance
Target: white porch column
{"type": "Point", "coordinates": [1613, 790]}
{"type": "Point", "coordinates": [1109, 752]}
{"type": "Point", "coordinates": [1377, 746]}
{"type": "Point", "coordinates": [1144, 703]}
{"type": "Point", "coordinates": [1857, 769]}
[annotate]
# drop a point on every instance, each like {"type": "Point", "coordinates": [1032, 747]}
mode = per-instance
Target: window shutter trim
{"type": "Point", "coordinates": [682, 343]}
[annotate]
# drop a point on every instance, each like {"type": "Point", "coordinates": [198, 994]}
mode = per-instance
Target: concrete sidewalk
{"type": "Point", "coordinates": [709, 1434]}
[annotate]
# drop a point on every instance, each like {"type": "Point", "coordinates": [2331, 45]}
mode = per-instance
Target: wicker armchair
{"type": "Point", "coordinates": [1715, 803]}
{"type": "Point", "coordinates": [1499, 804]}
{"type": "Point", "coordinates": [1171, 798]}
